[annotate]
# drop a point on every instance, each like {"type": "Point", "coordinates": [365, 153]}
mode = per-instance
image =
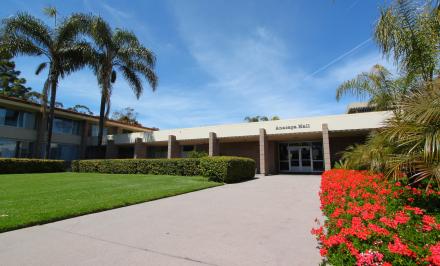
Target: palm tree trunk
{"type": "Point", "coordinates": [53, 92]}
{"type": "Point", "coordinates": [102, 116]}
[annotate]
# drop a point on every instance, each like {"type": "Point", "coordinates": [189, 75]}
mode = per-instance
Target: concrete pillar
{"type": "Point", "coordinates": [111, 151]}
{"type": "Point", "coordinates": [326, 147]}
{"type": "Point", "coordinates": [264, 152]}
{"type": "Point", "coordinates": [84, 138]}
{"type": "Point", "coordinates": [140, 149]}
{"type": "Point", "coordinates": [173, 147]}
{"type": "Point", "coordinates": [214, 146]}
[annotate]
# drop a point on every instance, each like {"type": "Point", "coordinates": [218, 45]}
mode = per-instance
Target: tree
{"type": "Point", "coordinates": [415, 128]}
{"type": "Point", "coordinates": [260, 118]}
{"type": "Point", "coordinates": [378, 85]}
{"type": "Point", "coordinates": [126, 115]}
{"type": "Point", "coordinates": [11, 84]}
{"type": "Point", "coordinates": [118, 51]}
{"type": "Point", "coordinates": [81, 109]}
{"type": "Point", "coordinates": [25, 34]}
{"type": "Point", "coordinates": [410, 33]}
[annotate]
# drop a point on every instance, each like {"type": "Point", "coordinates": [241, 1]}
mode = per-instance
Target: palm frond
{"type": "Point", "coordinates": [133, 79]}
{"type": "Point", "coordinates": [40, 68]}
{"type": "Point", "coordinates": [26, 26]}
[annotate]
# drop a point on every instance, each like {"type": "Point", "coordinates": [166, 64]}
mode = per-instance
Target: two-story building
{"type": "Point", "coordinates": [74, 134]}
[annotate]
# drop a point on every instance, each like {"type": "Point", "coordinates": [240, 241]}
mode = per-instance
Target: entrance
{"type": "Point", "coordinates": [300, 159]}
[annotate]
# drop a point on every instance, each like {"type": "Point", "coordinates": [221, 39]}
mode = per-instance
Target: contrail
{"type": "Point", "coordinates": [341, 57]}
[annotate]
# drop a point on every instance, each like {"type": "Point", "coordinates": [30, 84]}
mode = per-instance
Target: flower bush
{"type": "Point", "coordinates": [374, 221]}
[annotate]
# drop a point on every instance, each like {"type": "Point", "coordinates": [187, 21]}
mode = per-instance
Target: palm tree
{"type": "Point", "coordinates": [373, 155]}
{"type": "Point", "coordinates": [409, 32]}
{"type": "Point", "coordinates": [415, 128]}
{"type": "Point", "coordinates": [118, 51]}
{"type": "Point", "coordinates": [25, 34]}
{"type": "Point", "coordinates": [378, 85]}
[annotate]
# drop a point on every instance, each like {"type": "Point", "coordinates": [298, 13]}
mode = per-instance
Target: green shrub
{"type": "Point", "coordinates": [227, 169]}
{"type": "Point", "coordinates": [221, 169]}
{"type": "Point", "coordinates": [18, 166]}
{"type": "Point", "coordinates": [197, 154]}
{"type": "Point", "coordinates": [185, 167]}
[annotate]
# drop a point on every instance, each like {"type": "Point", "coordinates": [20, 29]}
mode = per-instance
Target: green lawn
{"type": "Point", "coordinates": [29, 199]}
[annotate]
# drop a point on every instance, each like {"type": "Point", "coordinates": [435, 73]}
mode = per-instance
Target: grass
{"type": "Point", "coordinates": [30, 199]}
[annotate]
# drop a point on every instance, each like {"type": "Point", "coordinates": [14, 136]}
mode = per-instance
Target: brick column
{"type": "Point", "coordinates": [326, 147]}
{"type": "Point", "coordinates": [140, 149]}
{"type": "Point", "coordinates": [173, 147]}
{"type": "Point", "coordinates": [111, 151]}
{"type": "Point", "coordinates": [264, 152]}
{"type": "Point", "coordinates": [84, 138]}
{"type": "Point", "coordinates": [214, 146]}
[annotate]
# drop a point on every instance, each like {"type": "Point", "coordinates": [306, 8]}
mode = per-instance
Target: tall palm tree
{"type": "Point", "coordinates": [24, 34]}
{"type": "Point", "coordinates": [116, 51]}
{"type": "Point", "coordinates": [378, 85]}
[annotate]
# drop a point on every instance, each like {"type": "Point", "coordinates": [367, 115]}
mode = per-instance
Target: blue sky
{"type": "Point", "coordinates": [219, 61]}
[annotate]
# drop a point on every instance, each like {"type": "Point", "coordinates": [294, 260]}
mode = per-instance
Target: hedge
{"type": "Point", "coordinates": [221, 169]}
{"type": "Point", "coordinates": [227, 169]}
{"type": "Point", "coordinates": [19, 166]}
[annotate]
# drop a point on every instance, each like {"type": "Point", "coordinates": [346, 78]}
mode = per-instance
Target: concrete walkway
{"type": "Point", "coordinates": [266, 221]}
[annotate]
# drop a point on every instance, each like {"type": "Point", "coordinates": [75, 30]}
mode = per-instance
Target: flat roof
{"type": "Point", "coordinates": [342, 122]}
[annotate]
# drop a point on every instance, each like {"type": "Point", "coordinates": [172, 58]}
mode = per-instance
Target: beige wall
{"type": "Point", "coordinates": [18, 133]}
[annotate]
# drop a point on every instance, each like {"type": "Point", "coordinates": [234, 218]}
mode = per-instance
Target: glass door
{"type": "Point", "coordinates": [295, 159]}
{"type": "Point", "coordinates": [306, 159]}
{"type": "Point", "coordinates": [300, 159]}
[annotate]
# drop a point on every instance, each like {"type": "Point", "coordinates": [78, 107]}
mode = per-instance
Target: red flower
{"type": "Point", "coordinates": [399, 248]}
{"type": "Point", "coordinates": [434, 258]}
{"type": "Point", "coordinates": [323, 252]}
{"type": "Point", "coordinates": [317, 231]}
{"type": "Point", "coordinates": [378, 230]}
{"type": "Point", "coordinates": [401, 218]}
{"type": "Point", "coordinates": [429, 223]}
{"type": "Point", "coordinates": [416, 210]}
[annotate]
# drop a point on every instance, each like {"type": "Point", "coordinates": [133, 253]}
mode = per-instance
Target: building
{"type": "Point", "coordinates": [302, 145]}
{"type": "Point", "coordinates": [74, 134]}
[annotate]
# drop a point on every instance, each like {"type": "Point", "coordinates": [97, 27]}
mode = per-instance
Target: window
{"type": "Point", "coordinates": [284, 156]}
{"type": "Point", "coordinates": [10, 148]}
{"type": "Point", "coordinates": [186, 149]}
{"type": "Point", "coordinates": [15, 118]}
{"type": "Point", "coordinates": [66, 126]}
{"type": "Point", "coordinates": [157, 152]}
{"type": "Point", "coordinates": [95, 130]}
{"type": "Point", "coordinates": [66, 152]}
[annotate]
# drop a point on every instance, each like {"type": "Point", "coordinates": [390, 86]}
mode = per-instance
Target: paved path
{"type": "Point", "coordinates": [266, 221]}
